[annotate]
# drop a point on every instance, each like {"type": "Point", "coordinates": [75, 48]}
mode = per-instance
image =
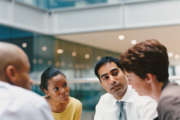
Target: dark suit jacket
{"type": "Point", "coordinates": [169, 104]}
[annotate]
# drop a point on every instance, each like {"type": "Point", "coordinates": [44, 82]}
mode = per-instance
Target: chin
{"type": "Point", "coordinates": [65, 100]}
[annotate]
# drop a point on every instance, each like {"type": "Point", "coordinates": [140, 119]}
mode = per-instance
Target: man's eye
{"type": "Point", "coordinates": [105, 77]}
{"type": "Point", "coordinates": [114, 73]}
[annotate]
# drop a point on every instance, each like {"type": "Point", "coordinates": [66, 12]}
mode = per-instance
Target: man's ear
{"type": "Point", "coordinates": [149, 78]}
{"type": "Point", "coordinates": [10, 72]}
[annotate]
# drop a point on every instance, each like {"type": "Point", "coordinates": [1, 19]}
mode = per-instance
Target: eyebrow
{"type": "Point", "coordinates": [114, 69]}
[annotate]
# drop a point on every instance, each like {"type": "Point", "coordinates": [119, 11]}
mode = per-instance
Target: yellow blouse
{"type": "Point", "coordinates": [72, 112]}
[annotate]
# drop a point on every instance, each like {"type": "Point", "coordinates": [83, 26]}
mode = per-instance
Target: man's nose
{"type": "Point", "coordinates": [112, 80]}
{"type": "Point", "coordinates": [62, 90]}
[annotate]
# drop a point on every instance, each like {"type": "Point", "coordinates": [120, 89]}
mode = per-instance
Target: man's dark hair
{"type": "Point", "coordinates": [104, 60]}
{"type": "Point", "coordinates": [149, 56]}
{"type": "Point", "coordinates": [48, 74]}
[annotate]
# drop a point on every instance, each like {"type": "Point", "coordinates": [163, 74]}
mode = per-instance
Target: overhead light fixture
{"type": "Point", "coordinates": [44, 48]}
{"type": "Point", "coordinates": [60, 51]}
{"type": "Point", "coordinates": [86, 56]}
{"type": "Point", "coordinates": [24, 45]}
{"type": "Point", "coordinates": [121, 37]}
{"type": "Point", "coordinates": [74, 54]}
{"type": "Point", "coordinates": [133, 42]}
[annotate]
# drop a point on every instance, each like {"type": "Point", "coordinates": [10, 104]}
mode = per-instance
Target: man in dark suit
{"type": "Point", "coordinates": [146, 67]}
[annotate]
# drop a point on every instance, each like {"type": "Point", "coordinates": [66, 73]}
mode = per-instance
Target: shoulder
{"type": "Point", "coordinates": [75, 102]}
{"type": "Point", "coordinates": [107, 97]}
{"type": "Point", "coordinates": [24, 103]}
{"type": "Point", "coordinates": [26, 95]}
{"type": "Point", "coordinates": [22, 98]}
{"type": "Point", "coordinates": [106, 100]}
{"type": "Point", "coordinates": [169, 103]}
{"type": "Point", "coordinates": [170, 97]}
{"type": "Point", "coordinates": [171, 89]}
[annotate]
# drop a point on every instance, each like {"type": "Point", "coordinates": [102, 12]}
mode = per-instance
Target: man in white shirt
{"type": "Point", "coordinates": [113, 80]}
{"type": "Point", "coordinates": [17, 103]}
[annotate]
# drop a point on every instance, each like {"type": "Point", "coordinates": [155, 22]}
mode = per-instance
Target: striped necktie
{"type": "Point", "coordinates": [122, 111]}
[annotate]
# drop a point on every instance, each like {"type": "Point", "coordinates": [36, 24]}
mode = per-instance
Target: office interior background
{"type": "Point", "coordinates": [74, 34]}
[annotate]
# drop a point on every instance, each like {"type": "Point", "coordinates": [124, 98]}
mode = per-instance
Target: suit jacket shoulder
{"type": "Point", "coordinates": [169, 103]}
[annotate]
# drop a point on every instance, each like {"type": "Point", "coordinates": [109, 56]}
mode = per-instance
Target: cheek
{"type": "Point", "coordinates": [105, 86]}
{"type": "Point", "coordinates": [67, 89]}
{"type": "Point", "coordinates": [133, 83]}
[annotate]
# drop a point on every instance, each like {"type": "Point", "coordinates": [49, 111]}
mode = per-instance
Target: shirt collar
{"type": "Point", "coordinates": [128, 96]}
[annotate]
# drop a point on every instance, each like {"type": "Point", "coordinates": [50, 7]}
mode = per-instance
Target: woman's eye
{"type": "Point", "coordinates": [56, 88]}
{"type": "Point", "coordinates": [65, 85]}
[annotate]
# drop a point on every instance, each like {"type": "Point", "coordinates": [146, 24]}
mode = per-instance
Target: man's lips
{"type": "Point", "coordinates": [115, 88]}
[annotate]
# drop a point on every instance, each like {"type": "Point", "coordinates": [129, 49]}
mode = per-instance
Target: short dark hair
{"type": "Point", "coordinates": [149, 56]}
{"type": "Point", "coordinates": [48, 74]}
{"type": "Point", "coordinates": [104, 60]}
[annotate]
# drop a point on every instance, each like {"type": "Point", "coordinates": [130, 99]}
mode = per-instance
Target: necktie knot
{"type": "Point", "coordinates": [121, 104]}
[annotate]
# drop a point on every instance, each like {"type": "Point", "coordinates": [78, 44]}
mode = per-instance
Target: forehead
{"type": "Point", "coordinates": [107, 68]}
{"type": "Point", "coordinates": [58, 79]}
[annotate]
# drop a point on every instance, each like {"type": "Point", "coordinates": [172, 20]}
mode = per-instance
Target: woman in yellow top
{"type": "Point", "coordinates": [54, 85]}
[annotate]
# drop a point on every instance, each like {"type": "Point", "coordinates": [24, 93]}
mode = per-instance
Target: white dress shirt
{"type": "Point", "coordinates": [137, 107]}
{"type": "Point", "coordinates": [19, 104]}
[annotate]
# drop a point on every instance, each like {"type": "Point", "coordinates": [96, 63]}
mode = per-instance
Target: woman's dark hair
{"type": "Point", "coordinates": [48, 74]}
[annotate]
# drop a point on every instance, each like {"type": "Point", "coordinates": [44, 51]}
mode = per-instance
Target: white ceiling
{"type": "Point", "coordinates": [168, 35]}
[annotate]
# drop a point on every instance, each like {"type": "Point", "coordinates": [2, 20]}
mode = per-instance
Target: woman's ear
{"type": "Point", "coordinates": [46, 93]}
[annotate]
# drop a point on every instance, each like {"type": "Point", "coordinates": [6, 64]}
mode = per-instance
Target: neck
{"type": "Point", "coordinates": [156, 90]}
{"type": "Point", "coordinates": [57, 107]}
{"type": "Point", "coordinates": [120, 96]}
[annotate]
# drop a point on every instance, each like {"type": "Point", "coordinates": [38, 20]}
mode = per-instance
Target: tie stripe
{"type": "Point", "coordinates": [122, 111]}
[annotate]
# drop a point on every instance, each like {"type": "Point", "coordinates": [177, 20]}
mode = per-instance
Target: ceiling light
{"type": "Point", "coordinates": [133, 42]}
{"type": "Point", "coordinates": [24, 45]}
{"type": "Point", "coordinates": [60, 51]}
{"type": "Point", "coordinates": [86, 56]}
{"type": "Point", "coordinates": [44, 48]}
{"type": "Point", "coordinates": [74, 54]}
{"type": "Point", "coordinates": [121, 37]}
